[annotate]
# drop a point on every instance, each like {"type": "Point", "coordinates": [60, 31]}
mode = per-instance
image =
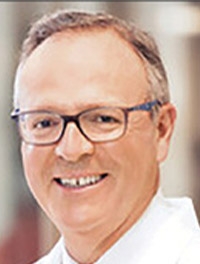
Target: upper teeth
{"type": "Point", "coordinates": [80, 182]}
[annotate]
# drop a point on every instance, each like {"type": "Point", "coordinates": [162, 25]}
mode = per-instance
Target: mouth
{"type": "Point", "coordinates": [82, 182]}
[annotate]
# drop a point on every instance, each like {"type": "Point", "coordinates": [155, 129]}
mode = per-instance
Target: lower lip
{"type": "Point", "coordinates": [93, 186]}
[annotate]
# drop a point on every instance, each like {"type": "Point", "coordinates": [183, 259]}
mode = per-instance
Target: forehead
{"type": "Point", "coordinates": [78, 60]}
{"type": "Point", "coordinates": [107, 45]}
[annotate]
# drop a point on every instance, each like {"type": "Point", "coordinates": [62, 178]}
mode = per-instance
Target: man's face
{"type": "Point", "coordinates": [71, 73]}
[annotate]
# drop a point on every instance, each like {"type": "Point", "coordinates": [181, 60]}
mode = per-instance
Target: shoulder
{"type": "Point", "coordinates": [186, 231]}
{"type": "Point", "coordinates": [178, 232]}
{"type": "Point", "coordinates": [191, 253]}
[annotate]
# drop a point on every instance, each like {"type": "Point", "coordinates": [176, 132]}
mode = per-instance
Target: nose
{"type": "Point", "coordinates": [73, 145]}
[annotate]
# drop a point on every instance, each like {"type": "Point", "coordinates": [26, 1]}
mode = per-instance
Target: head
{"type": "Point", "coordinates": [72, 62]}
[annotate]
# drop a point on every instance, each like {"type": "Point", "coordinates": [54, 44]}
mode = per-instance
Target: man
{"type": "Point", "coordinates": [93, 109]}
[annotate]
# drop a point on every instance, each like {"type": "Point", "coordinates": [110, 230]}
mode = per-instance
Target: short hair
{"type": "Point", "coordinates": [142, 42]}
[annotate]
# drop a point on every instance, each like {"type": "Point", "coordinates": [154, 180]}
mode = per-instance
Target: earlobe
{"type": "Point", "coordinates": [165, 128]}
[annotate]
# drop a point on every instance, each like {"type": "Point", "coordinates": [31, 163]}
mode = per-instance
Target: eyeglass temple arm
{"type": "Point", "coordinates": [146, 106]}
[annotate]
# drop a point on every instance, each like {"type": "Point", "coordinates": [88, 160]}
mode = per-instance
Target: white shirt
{"type": "Point", "coordinates": [167, 233]}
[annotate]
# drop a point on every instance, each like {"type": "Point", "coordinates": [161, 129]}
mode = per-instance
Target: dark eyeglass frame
{"type": "Point", "coordinates": [75, 119]}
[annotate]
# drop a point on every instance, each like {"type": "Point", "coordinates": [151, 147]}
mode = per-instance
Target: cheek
{"type": "Point", "coordinates": [34, 163]}
{"type": "Point", "coordinates": [134, 172]}
{"type": "Point", "coordinates": [133, 156]}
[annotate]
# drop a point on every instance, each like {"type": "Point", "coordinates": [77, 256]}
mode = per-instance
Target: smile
{"type": "Point", "coordinates": [81, 182]}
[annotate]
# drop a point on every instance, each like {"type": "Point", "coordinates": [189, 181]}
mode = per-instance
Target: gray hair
{"type": "Point", "coordinates": [141, 41]}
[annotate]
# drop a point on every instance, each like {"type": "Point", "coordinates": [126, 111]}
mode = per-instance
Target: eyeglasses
{"type": "Point", "coordinates": [97, 124]}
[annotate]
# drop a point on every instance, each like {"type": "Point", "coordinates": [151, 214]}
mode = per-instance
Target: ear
{"type": "Point", "coordinates": [165, 128]}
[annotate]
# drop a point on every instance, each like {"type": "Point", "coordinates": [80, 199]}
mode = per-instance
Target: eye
{"type": "Point", "coordinates": [106, 119]}
{"type": "Point", "coordinates": [43, 124]}
{"type": "Point", "coordinates": [104, 116]}
{"type": "Point", "coordinates": [102, 119]}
